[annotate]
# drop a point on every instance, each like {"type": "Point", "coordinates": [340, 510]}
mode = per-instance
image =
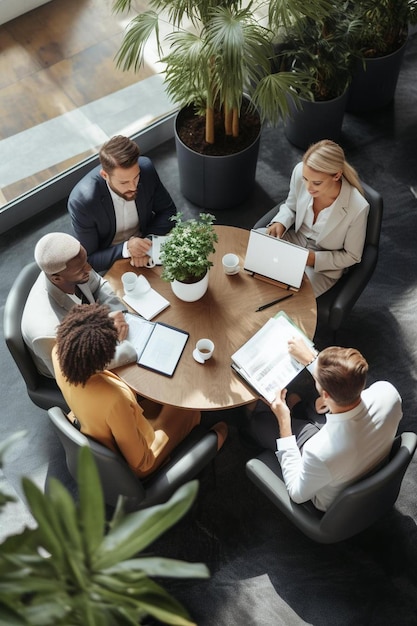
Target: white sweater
{"type": "Point", "coordinates": [348, 446]}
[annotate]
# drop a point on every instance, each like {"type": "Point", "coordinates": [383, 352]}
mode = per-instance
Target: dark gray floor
{"type": "Point", "coordinates": [264, 572]}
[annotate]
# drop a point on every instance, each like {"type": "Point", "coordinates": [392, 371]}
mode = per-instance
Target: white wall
{"type": "Point", "coordinates": [9, 9]}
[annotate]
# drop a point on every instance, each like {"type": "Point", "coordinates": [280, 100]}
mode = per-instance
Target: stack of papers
{"type": "Point", "coordinates": [147, 304]}
{"type": "Point", "coordinates": [264, 361]}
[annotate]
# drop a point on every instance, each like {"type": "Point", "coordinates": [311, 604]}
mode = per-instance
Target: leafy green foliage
{"type": "Point", "coordinates": [4, 446]}
{"type": "Point", "coordinates": [226, 53]}
{"type": "Point", "coordinates": [185, 253]}
{"type": "Point", "coordinates": [324, 50]}
{"type": "Point", "coordinates": [385, 24]}
{"type": "Point", "coordinates": [74, 569]}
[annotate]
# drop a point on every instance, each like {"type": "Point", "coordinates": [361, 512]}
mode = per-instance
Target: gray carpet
{"type": "Point", "coordinates": [264, 571]}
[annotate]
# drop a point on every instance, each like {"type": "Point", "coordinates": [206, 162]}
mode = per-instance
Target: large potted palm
{"type": "Point", "coordinates": [323, 49]}
{"type": "Point", "coordinates": [381, 44]}
{"type": "Point", "coordinates": [216, 54]}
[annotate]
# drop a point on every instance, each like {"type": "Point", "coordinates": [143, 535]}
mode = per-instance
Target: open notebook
{"type": "Point", "coordinates": [159, 347]}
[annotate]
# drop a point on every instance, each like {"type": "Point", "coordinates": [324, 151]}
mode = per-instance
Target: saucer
{"type": "Point", "coordinates": [142, 286]}
{"type": "Point", "coordinates": [197, 357]}
{"type": "Point", "coordinates": [237, 270]}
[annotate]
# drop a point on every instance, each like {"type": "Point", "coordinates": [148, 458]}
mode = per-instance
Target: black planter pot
{"type": "Point", "coordinates": [373, 84]}
{"type": "Point", "coordinates": [315, 121]}
{"type": "Point", "coordinates": [216, 182]}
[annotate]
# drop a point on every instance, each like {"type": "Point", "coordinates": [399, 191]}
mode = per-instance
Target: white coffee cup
{"type": "Point", "coordinates": [230, 263]}
{"type": "Point", "coordinates": [151, 262]}
{"type": "Point", "coordinates": [204, 349]}
{"type": "Point", "coordinates": [129, 280]}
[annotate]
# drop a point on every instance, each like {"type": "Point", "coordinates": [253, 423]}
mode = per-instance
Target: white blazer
{"type": "Point", "coordinates": [341, 242]}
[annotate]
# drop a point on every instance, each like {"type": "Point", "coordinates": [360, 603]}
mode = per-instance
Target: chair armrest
{"type": "Point", "coordinates": [265, 472]}
{"type": "Point", "coordinates": [186, 462]}
{"type": "Point", "coordinates": [358, 278]}
{"type": "Point", "coordinates": [265, 219]}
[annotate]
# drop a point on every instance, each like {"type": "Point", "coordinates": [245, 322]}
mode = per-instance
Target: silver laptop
{"type": "Point", "coordinates": [275, 259]}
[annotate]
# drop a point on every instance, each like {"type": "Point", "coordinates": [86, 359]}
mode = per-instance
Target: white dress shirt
{"type": "Point", "coordinates": [312, 230]}
{"type": "Point", "coordinates": [348, 446]}
{"type": "Point", "coordinates": [127, 220]}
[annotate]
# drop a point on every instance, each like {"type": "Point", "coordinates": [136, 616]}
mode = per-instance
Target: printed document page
{"type": "Point", "coordinates": [139, 331]}
{"type": "Point", "coordinates": [264, 361]}
{"type": "Point", "coordinates": [159, 347]}
{"type": "Point", "coordinates": [164, 349]}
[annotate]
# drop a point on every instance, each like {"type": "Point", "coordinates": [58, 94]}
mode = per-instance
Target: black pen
{"type": "Point", "coordinates": [265, 306]}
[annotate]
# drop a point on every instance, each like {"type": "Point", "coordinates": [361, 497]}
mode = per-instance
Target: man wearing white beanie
{"type": "Point", "coordinates": [66, 279]}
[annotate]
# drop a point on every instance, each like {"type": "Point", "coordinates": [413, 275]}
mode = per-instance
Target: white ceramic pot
{"type": "Point", "coordinates": [190, 292]}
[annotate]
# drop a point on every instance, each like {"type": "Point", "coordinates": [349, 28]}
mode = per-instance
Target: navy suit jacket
{"type": "Point", "coordinates": [94, 221]}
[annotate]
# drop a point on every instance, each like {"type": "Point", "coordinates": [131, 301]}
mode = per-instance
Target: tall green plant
{"type": "Point", "coordinates": [325, 50]}
{"type": "Point", "coordinates": [227, 52]}
{"type": "Point", "coordinates": [74, 570]}
{"type": "Point", "coordinates": [385, 24]}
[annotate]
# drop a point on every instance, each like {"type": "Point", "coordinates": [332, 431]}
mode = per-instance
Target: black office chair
{"type": "Point", "coordinates": [43, 391]}
{"type": "Point", "coordinates": [355, 508]}
{"type": "Point", "coordinates": [187, 460]}
{"type": "Point", "coordinates": [334, 306]}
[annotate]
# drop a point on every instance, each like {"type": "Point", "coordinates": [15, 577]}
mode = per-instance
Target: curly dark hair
{"type": "Point", "coordinates": [86, 340]}
{"type": "Point", "coordinates": [119, 151]}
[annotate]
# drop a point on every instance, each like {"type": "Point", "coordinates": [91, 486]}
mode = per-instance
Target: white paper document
{"type": "Point", "coordinates": [159, 346]}
{"type": "Point", "coordinates": [264, 361]}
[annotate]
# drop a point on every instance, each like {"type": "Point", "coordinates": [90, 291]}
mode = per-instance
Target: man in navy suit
{"type": "Point", "coordinates": [116, 205]}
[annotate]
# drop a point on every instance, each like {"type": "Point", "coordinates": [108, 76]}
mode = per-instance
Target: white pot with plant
{"type": "Point", "coordinates": [185, 256]}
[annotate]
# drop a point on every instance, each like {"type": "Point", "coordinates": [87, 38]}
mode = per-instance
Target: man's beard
{"type": "Point", "coordinates": [126, 196]}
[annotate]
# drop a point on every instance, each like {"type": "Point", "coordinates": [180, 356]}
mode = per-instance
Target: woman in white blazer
{"type": "Point", "coordinates": [328, 211]}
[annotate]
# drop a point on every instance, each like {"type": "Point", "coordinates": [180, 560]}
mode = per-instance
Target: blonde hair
{"type": "Point", "coordinates": [328, 157]}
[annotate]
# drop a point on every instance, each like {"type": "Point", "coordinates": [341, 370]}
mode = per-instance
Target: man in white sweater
{"type": "Point", "coordinates": [348, 435]}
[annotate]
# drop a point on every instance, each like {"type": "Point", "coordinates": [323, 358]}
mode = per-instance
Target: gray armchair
{"type": "Point", "coordinates": [334, 306]}
{"type": "Point", "coordinates": [356, 507]}
{"type": "Point", "coordinates": [43, 391]}
{"type": "Point", "coordinates": [187, 460]}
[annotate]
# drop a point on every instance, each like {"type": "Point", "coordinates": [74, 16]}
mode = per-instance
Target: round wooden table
{"type": "Point", "coordinates": [227, 315]}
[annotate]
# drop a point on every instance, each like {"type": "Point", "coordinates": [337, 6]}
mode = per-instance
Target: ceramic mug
{"type": "Point", "coordinates": [129, 280]}
{"type": "Point", "coordinates": [230, 263]}
{"type": "Point", "coordinates": [203, 350]}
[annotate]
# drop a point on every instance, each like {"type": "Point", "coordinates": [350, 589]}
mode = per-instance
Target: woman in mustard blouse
{"type": "Point", "coordinates": [104, 405]}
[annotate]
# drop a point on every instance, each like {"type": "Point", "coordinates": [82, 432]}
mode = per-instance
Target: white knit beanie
{"type": "Point", "coordinates": [54, 250]}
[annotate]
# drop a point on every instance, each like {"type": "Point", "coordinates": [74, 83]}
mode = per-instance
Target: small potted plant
{"type": "Point", "coordinates": [185, 255]}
